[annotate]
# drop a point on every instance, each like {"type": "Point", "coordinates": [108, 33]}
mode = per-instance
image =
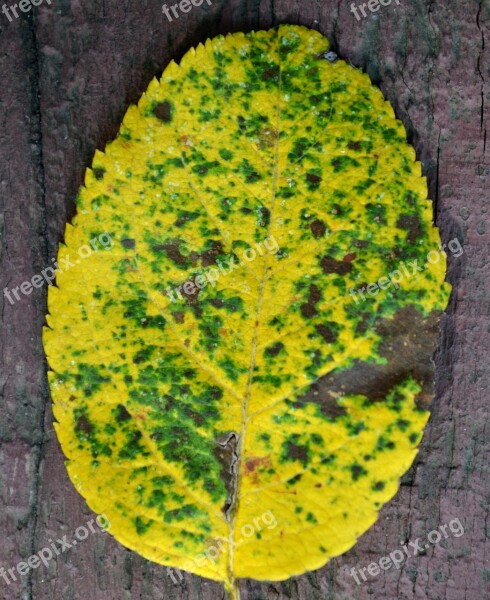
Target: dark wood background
{"type": "Point", "coordinates": [69, 72]}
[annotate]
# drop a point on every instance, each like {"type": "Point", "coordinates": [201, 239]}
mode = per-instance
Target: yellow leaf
{"type": "Point", "coordinates": [241, 331]}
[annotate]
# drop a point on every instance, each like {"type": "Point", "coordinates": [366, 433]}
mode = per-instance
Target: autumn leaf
{"type": "Point", "coordinates": [257, 339]}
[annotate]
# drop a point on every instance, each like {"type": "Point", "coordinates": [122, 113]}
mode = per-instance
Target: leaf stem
{"type": "Point", "coordinates": [233, 590]}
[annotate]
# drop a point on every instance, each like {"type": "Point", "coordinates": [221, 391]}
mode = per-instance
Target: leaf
{"type": "Point", "coordinates": [187, 416]}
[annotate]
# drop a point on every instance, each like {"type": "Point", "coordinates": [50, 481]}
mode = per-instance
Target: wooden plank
{"type": "Point", "coordinates": [23, 252]}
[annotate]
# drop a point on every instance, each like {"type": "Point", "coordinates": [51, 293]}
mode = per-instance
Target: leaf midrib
{"type": "Point", "coordinates": [264, 279]}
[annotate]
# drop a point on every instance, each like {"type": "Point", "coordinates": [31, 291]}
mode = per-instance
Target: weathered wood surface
{"type": "Point", "coordinates": [69, 72]}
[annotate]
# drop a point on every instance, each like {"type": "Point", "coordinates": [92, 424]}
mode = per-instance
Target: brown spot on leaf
{"type": "Point", "coordinates": [190, 293]}
{"type": "Point", "coordinates": [407, 342]}
{"type": "Point", "coordinates": [297, 452]}
{"type": "Point", "coordinates": [196, 417]}
{"type": "Point", "coordinates": [363, 325]}
{"type": "Point", "coordinates": [267, 137]}
{"type": "Point", "coordinates": [327, 401]}
{"type": "Point", "coordinates": [128, 243]}
{"type": "Point", "coordinates": [327, 333]}
{"type": "Point", "coordinates": [330, 265]}
{"type": "Point", "coordinates": [122, 414]}
{"type": "Point", "coordinates": [172, 249]}
{"type": "Point", "coordinates": [272, 351]}
{"type": "Point", "coordinates": [357, 471]}
{"type": "Point", "coordinates": [169, 402]}
{"type": "Point", "coordinates": [308, 309]}
{"type": "Point", "coordinates": [182, 220]}
{"type": "Point", "coordinates": [318, 228]}
{"type": "Point", "coordinates": [210, 256]}
{"type": "Point", "coordinates": [83, 425]}
{"type": "Point", "coordinates": [354, 146]}
{"type": "Point", "coordinates": [252, 465]}
{"type": "Point", "coordinates": [412, 224]}
{"type": "Point", "coordinates": [312, 178]}
{"type": "Point", "coordinates": [270, 73]}
{"type": "Point", "coordinates": [163, 111]}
